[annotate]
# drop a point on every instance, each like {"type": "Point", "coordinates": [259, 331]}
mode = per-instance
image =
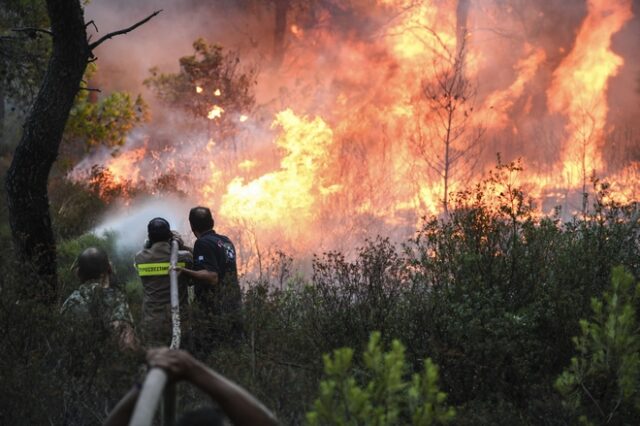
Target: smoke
{"type": "Point", "coordinates": [129, 223]}
{"type": "Point", "coordinates": [124, 61]}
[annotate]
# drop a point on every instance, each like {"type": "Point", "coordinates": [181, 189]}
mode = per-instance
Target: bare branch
{"type": "Point", "coordinates": [95, 44]}
{"type": "Point", "coordinates": [10, 38]}
{"type": "Point", "coordinates": [91, 22]}
{"type": "Point", "coordinates": [90, 89]}
{"type": "Point", "coordinates": [32, 32]}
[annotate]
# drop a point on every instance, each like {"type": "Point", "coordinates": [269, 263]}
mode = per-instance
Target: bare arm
{"type": "Point", "coordinates": [121, 413]}
{"type": "Point", "coordinates": [239, 405]}
{"type": "Point", "coordinates": [209, 277]}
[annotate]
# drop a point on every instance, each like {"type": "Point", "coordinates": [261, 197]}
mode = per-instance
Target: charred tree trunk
{"type": "Point", "coordinates": [280, 31]}
{"type": "Point", "coordinates": [27, 178]}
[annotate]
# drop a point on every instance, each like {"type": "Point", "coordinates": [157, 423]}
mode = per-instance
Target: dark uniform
{"type": "Point", "coordinates": [153, 268]}
{"type": "Point", "coordinates": [219, 305]}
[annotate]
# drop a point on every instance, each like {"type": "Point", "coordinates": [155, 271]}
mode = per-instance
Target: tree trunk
{"type": "Point", "coordinates": [27, 178]}
{"type": "Point", "coordinates": [280, 30]}
{"type": "Point", "coordinates": [2, 113]}
{"type": "Point", "coordinates": [447, 159]}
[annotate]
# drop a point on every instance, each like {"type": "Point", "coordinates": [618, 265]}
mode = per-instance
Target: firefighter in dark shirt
{"type": "Point", "coordinates": [215, 275]}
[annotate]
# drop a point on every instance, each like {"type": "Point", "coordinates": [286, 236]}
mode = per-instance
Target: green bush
{"type": "Point", "coordinates": [378, 394]}
{"type": "Point", "coordinates": [602, 383]}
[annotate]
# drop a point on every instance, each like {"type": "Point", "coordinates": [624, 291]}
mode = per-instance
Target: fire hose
{"type": "Point", "coordinates": [155, 383]}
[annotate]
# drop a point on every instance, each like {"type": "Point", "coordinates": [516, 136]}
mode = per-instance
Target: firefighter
{"type": "Point", "coordinates": [215, 275]}
{"type": "Point", "coordinates": [99, 303]}
{"type": "Point", "coordinates": [152, 264]}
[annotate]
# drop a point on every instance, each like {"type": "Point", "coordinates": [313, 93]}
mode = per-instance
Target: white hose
{"type": "Point", "coordinates": [175, 299]}
{"type": "Point", "coordinates": [156, 380]}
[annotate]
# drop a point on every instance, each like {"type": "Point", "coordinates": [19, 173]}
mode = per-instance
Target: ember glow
{"type": "Point", "coordinates": [348, 141]}
{"type": "Point", "coordinates": [215, 112]}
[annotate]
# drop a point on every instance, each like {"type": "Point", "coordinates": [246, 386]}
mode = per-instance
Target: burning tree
{"type": "Point", "coordinates": [282, 16]}
{"type": "Point", "coordinates": [211, 85]}
{"type": "Point", "coordinates": [447, 141]}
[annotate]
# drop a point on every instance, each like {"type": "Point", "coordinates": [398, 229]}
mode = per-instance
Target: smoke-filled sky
{"type": "Point", "coordinates": [125, 60]}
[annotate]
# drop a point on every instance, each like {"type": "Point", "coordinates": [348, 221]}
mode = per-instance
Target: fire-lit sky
{"type": "Point", "coordinates": [346, 139]}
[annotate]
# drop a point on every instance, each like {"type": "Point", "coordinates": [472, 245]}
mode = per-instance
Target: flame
{"type": "Point", "coordinates": [580, 83]}
{"type": "Point", "coordinates": [423, 31]}
{"type": "Point", "coordinates": [296, 30]}
{"type": "Point", "coordinates": [198, 89]}
{"type": "Point", "coordinates": [289, 195]}
{"type": "Point", "coordinates": [124, 166]}
{"type": "Point", "coordinates": [499, 103]}
{"type": "Point", "coordinates": [215, 112]}
{"type": "Point", "coordinates": [345, 164]}
{"type": "Point", "coordinates": [247, 164]}
{"type": "Point", "coordinates": [118, 175]}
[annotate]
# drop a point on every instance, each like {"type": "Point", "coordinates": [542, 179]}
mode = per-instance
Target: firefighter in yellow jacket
{"type": "Point", "coordinates": [152, 264]}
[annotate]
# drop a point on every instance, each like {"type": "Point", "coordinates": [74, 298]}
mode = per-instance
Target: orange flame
{"type": "Point", "coordinates": [498, 104]}
{"type": "Point", "coordinates": [287, 197]}
{"type": "Point", "coordinates": [579, 88]}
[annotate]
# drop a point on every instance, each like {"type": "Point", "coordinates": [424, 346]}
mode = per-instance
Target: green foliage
{"type": "Point", "coordinates": [602, 384]}
{"type": "Point", "coordinates": [23, 56]}
{"type": "Point", "coordinates": [378, 395]}
{"type": "Point", "coordinates": [509, 288]}
{"type": "Point", "coordinates": [219, 78]}
{"type": "Point", "coordinates": [99, 121]}
{"type": "Point", "coordinates": [106, 121]}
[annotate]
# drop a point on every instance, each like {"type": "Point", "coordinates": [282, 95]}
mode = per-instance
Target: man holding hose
{"type": "Point", "coordinates": [152, 264]}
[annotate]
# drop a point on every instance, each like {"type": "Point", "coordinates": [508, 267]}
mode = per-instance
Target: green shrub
{"type": "Point", "coordinates": [379, 394]}
{"type": "Point", "coordinates": [602, 383]}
